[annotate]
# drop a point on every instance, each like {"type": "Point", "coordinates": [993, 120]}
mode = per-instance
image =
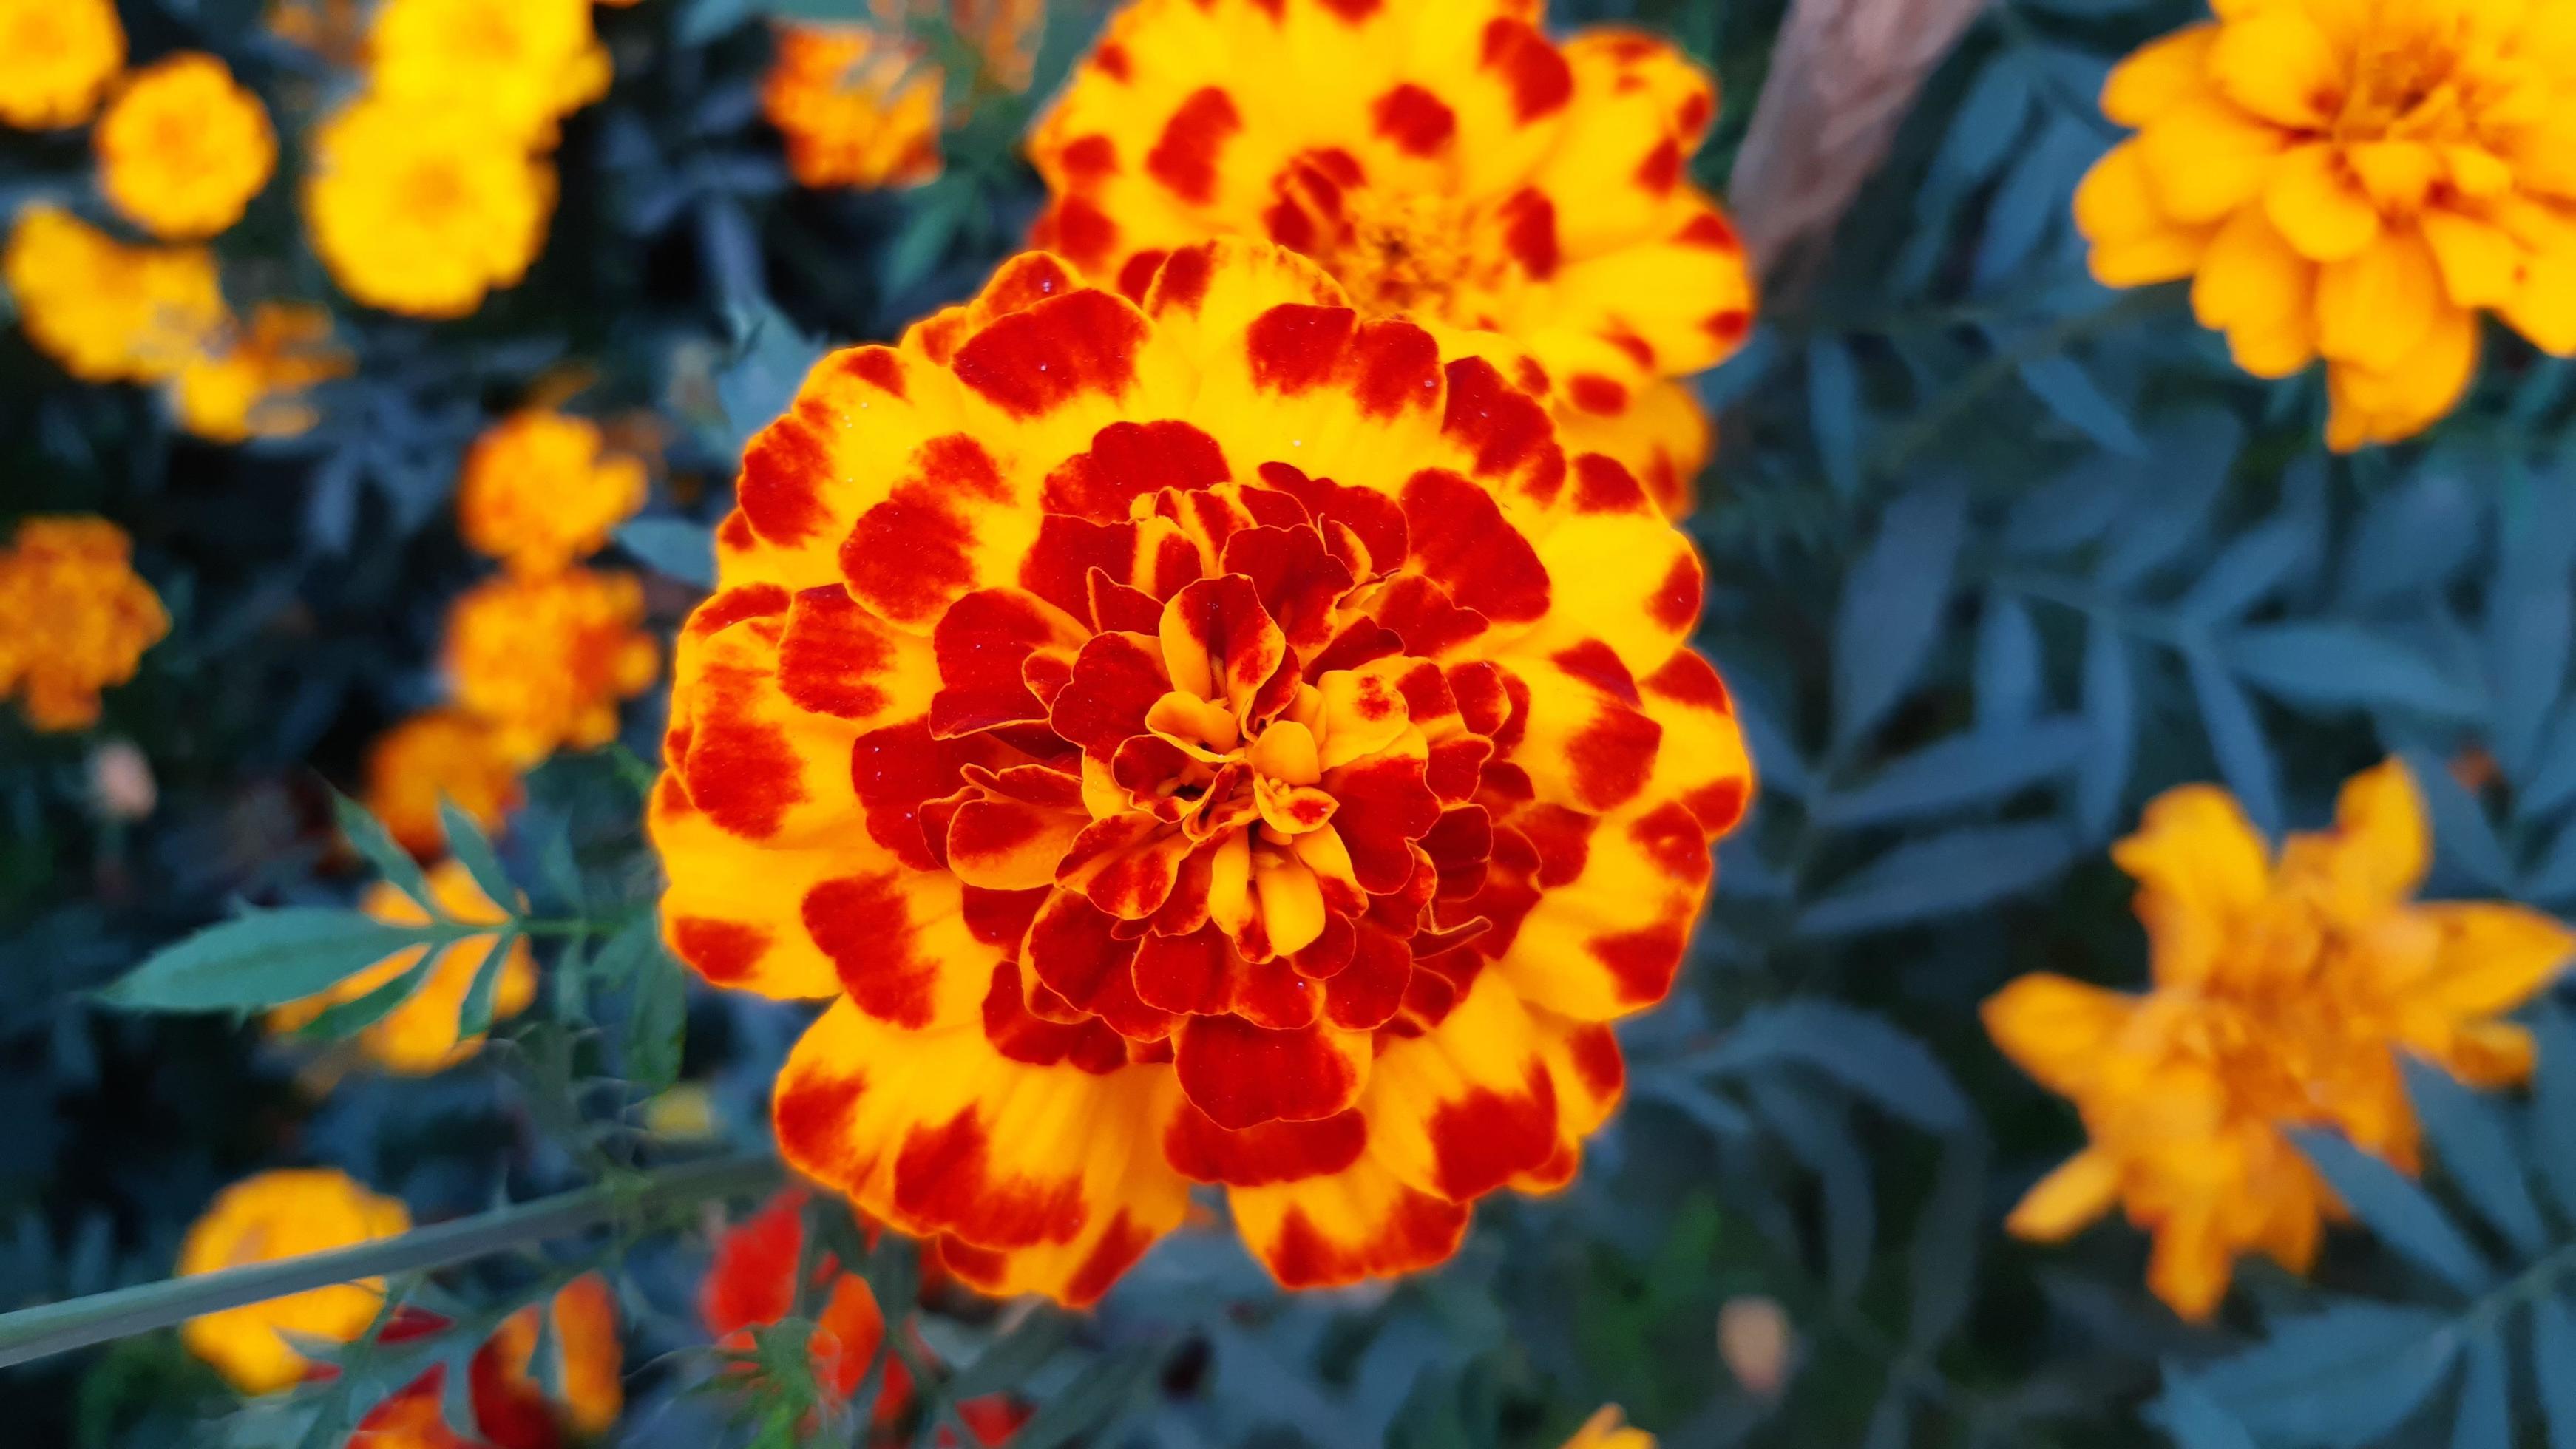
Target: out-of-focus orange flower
{"type": "Point", "coordinates": [282, 1214]}
{"type": "Point", "coordinates": [591, 1360]}
{"type": "Point", "coordinates": [106, 311]}
{"type": "Point", "coordinates": [521, 64]}
{"type": "Point", "coordinates": [509, 1404]}
{"type": "Point", "coordinates": [250, 381]}
{"type": "Point", "coordinates": [56, 59]}
{"type": "Point", "coordinates": [419, 1036]}
{"type": "Point", "coordinates": [857, 108]}
{"type": "Point", "coordinates": [442, 754]}
{"type": "Point", "coordinates": [539, 491]}
{"type": "Point", "coordinates": [74, 618]}
{"type": "Point", "coordinates": [545, 660]}
{"type": "Point", "coordinates": [335, 30]}
{"type": "Point", "coordinates": [422, 209]}
{"type": "Point", "coordinates": [1609, 1429]}
{"type": "Point", "coordinates": [183, 147]}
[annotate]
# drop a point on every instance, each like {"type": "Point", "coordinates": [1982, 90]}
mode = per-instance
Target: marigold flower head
{"type": "Point", "coordinates": [509, 1405]}
{"type": "Point", "coordinates": [250, 380]}
{"type": "Point", "coordinates": [439, 755]}
{"type": "Point", "coordinates": [423, 208]}
{"type": "Point", "coordinates": [522, 65]}
{"type": "Point", "coordinates": [545, 659]}
{"type": "Point", "coordinates": [183, 147]}
{"type": "Point", "coordinates": [419, 1036]}
{"type": "Point", "coordinates": [74, 618]}
{"type": "Point", "coordinates": [2352, 180]}
{"type": "Point", "coordinates": [2284, 990]}
{"type": "Point", "coordinates": [1449, 162]}
{"type": "Point", "coordinates": [283, 1214]}
{"type": "Point", "coordinates": [540, 492]}
{"type": "Point", "coordinates": [1207, 739]}
{"type": "Point", "coordinates": [106, 311]}
{"type": "Point", "coordinates": [56, 59]}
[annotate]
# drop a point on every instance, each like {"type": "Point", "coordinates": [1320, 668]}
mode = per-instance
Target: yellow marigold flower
{"type": "Point", "coordinates": [539, 492]}
{"type": "Point", "coordinates": [422, 209]}
{"type": "Point", "coordinates": [2284, 991]}
{"type": "Point", "coordinates": [1220, 738]}
{"type": "Point", "coordinates": [419, 1036]}
{"type": "Point", "coordinates": [1609, 1429]}
{"type": "Point", "coordinates": [444, 754]}
{"type": "Point", "coordinates": [106, 311]}
{"type": "Point", "coordinates": [74, 618]}
{"type": "Point", "coordinates": [283, 1214]}
{"type": "Point", "coordinates": [2353, 180]}
{"type": "Point", "coordinates": [250, 382]}
{"type": "Point", "coordinates": [545, 659]}
{"type": "Point", "coordinates": [1448, 161]}
{"type": "Point", "coordinates": [183, 147]}
{"type": "Point", "coordinates": [522, 64]}
{"type": "Point", "coordinates": [56, 59]}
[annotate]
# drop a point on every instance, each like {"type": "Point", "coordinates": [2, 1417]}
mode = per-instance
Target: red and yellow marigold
{"type": "Point", "coordinates": [544, 660]}
{"type": "Point", "coordinates": [1447, 161]}
{"type": "Point", "coordinates": [860, 105]}
{"type": "Point", "coordinates": [2284, 992]}
{"type": "Point", "coordinates": [57, 58]}
{"type": "Point", "coordinates": [541, 491]}
{"type": "Point", "coordinates": [74, 618]}
{"type": "Point", "coordinates": [183, 147]}
{"type": "Point", "coordinates": [283, 1214]}
{"type": "Point", "coordinates": [505, 1394]}
{"type": "Point", "coordinates": [2352, 180]}
{"type": "Point", "coordinates": [1215, 738]}
{"type": "Point", "coordinates": [419, 1036]}
{"type": "Point", "coordinates": [441, 754]}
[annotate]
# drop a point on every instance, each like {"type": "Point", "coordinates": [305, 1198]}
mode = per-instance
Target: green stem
{"type": "Point", "coordinates": [32, 1333]}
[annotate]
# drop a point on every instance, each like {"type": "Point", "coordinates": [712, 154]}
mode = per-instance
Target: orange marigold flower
{"type": "Point", "coordinates": [1207, 739]}
{"type": "Point", "coordinates": [539, 491]}
{"type": "Point", "coordinates": [545, 659]}
{"type": "Point", "coordinates": [1446, 161]}
{"type": "Point", "coordinates": [106, 311]}
{"type": "Point", "coordinates": [183, 147]}
{"type": "Point", "coordinates": [2284, 991]}
{"type": "Point", "coordinates": [56, 59]}
{"type": "Point", "coordinates": [74, 618]}
{"type": "Point", "coordinates": [282, 1214]}
{"type": "Point", "coordinates": [520, 64]}
{"type": "Point", "coordinates": [250, 381]}
{"type": "Point", "coordinates": [2352, 180]}
{"type": "Point", "coordinates": [419, 1036]}
{"type": "Point", "coordinates": [443, 754]}
{"type": "Point", "coordinates": [422, 209]}
{"type": "Point", "coordinates": [1609, 1429]}
{"type": "Point", "coordinates": [856, 108]}
{"type": "Point", "coordinates": [509, 1406]}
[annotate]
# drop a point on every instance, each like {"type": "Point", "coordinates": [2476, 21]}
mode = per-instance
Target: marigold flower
{"type": "Point", "coordinates": [545, 660]}
{"type": "Point", "coordinates": [510, 1407]}
{"type": "Point", "coordinates": [56, 59]}
{"type": "Point", "coordinates": [539, 491]}
{"type": "Point", "coordinates": [441, 754]}
{"type": "Point", "coordinates": [1206, 740]}
{"type": "Point", "coordinates": [422, 209]}
{"type": "Point", "coordinates": [521, 64]}
{"type": "Point", "coordinates": [283, 1214]}
{"type": "Point", "coordinates": [106, 311]}
{"type": "Point", "coordinates": [856, 109]}
{"type": "Point", "coordinates": [2352, 180]}
{"type": "Point", "coordinates": [419, 1036]}
{"type": "Point", "coordinates": [183, 147]}
{"type": "Point", "coordinates": [74, 618]}
{"type": "Point", "coordinates": [1446, 161]}
{"type": "Point", "coordinates": [2284, 990]}
{"type": "Point", "coordinates": [250, 381]}
{"type": "Point", "coordinates": [1609, 1429]}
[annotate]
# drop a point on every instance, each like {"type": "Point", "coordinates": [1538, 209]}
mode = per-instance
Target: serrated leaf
{"type": "Point", "coordinates": [2462, 837]}
{"type": "Point", "coordinates": [2402, 1215]}
{"type": "Point", "coordinates": [2341, 666]}
{"type": "Point", "coordinates": [2553, 1367]}
{"type": "Point", "coordinates": [674, 546]}
{"type": "Point", "coordinates": [2008, 662]}
{"type": "Point", "coordinates": [1892, 604]}
{"type": "Point", "coordinates": [269, 958]}
{"type": "Point", "coordinates": [2111, 713]}
{"type": "Point", "coordinates": [2475, 1147]}
{"type": "Point", "coordinates": [2067, 390]}
{"type": "Point", "coordinates": [343, 1019]}
{"type": "Point", "coordinates": [2236, 739]}
{"type": "Point", "coordinates": [1983, 766]}
{"type": "Point", "coordinates": [1834, 412]}
{"type": "Point", "coordinates": [472, 849]}
{"type": "Point", "coordinates": [1863, 1052]}
{"type": "Point", "coordinates": [2343, 1377]}
{"type": "Point", "coordinates": [375, 845]}
{"type": "Point", "coordinates": [1940, 875]}
{"type": "Point", "coordinates": [2485, 1416]}
{"type": "Point", "coordinates": [474, 1014]}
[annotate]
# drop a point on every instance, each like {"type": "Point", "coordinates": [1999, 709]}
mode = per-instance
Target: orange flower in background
{"type": "Point", "coordinates": [106, 311]}
{"type": "Point", "coordinates": [544, 660]}
{"type": "Point", "coordinates": [419, 1036]}
{"type": "Point", "coordinates": [1445, 161]}
{"type": "Point", "coordinates": [422, 209]}
{"type": "Point", "coordinates": [539, 491]}
{"type": "Point", "coordinates": [283, 1214]}
{"type": "Point", "coordinates": [521, 65]}
{"type": "Point", "coordinates": [442, 754]}
{"type": "Point", "coordinates": [2284, 991]}
{"type": "Point", "coordinates": [2352, 180]}
{"type": "Point", "coordinates": [56, 59]}
{"type": "Point", "coordinates": [1214, 739]}
{"type": "Point", "coordinates": [183, 147]}
{"type": "Point", "coordinates": [1609, 1429]}
{"type": "Point", "coordinates": [74, 618]}
{"type": "Point", "coordinates": [509, 1405]}
{"type": "Point", "coordinates": [250, 380]}
{"type": "Point", "coordinates": [857, 109]}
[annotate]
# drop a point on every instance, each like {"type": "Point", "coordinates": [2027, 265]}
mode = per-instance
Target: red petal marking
{"type": "Point", "coordinates": [895, 770]}
{"type": "Point", "coordinates": [1662, 168]}
{"type": "Point", "coordinates": [1295, 347]}
{"type": "Point", "coordinates": [1125, 865]}
{"type": "Point", "coordinates": [1365, 995]}
{"type": "Point", "coordinates": [1671, 836]}
{"type": "Point", "coordinates": [1352, 11]}
{"type": "Point", "coordinates": [1022, 1037]}
{"type": "Point", "coordinates": [944, 1178]}
{"type": "Point", "coordinates": [1727, 326]}
{"type": "Point", "coordinates": [1639, 350]}
{"type": "Point", "coordinates": [1116, 678]}
{"type": "Point", "coordinates": [1077, 227]}
{"type": "Point", "coordinates": [1181, 285]}
{"type": "Point", "coordinates": [830, 652]}
{"type": "Point", "coordinates": [1087, 159]}
{"type": "Point", "coordinates": [1419, 1230]}
{"type": "Point", "coordinates": [1597, 664]}
{"type": "Point", "coordinates": [1686, 678]}
{"type": "Point", "coordinates": [1718, 805]}
{"type": "Point", "coordinates": [1595, 1052]}
{"type": "Point", "coordinates": [1484, 701]}
{"type": "Point", "coordinates": [1136, 274]}
{"type": "Point", "coordinates": [1561, 839]}
{"type": "Point", "coordinates": [909, 555]}
{"type": "Point", "coordinates": [1463, 543]}
{"type": "Point", "coordinates": [1675, 602]}
{"type": "Point", "coordinates": [1414, 119]}
{"type": "Point", "coordinates": [1008, 844]}
{"type": "Point", "coordinates": [1120, 1245]}
{"type": "Point", "coordinates": [740, 768]}
{"type": "Point", "coordinates": [1297, 582]}
{"type": "Point", "coordinates": [1329, 954]}
{"type": "Point", "coordinates": [1710, 229]}
{"type": "Point", "coordinates": [1119, 607]}
{"type": "Point", "coordinates": [1058, 566]}
{"type": "Point", "coordinates": [1507, 735]}
{"type": "Point", "coordinates": [1643, 962]}
{"type": "Point", "coordinates": [1604, 485]}
{"type": "Point", "coordinates": [1185, 159]}
{"type": "Point", "coordinates": [1459, 844]}
{"type": "Point", "coordinates": [1457, 766]}
{"type": "Point", "coordinates": [1424, 617]}
{"type": "Point", "coordinates": [1397, 366]}
{"type": "Point", "coordinates": [1287, 223]}
{"type": "Point", "coordinates": [1075, 951]}
{"type": "Point", "coordinates": [722, 610]}
{"type": "Point", "coordinates": [1112, 58]}
{"type": "Point", "coordinates": [1001, 918]}
{"type": "Point", "coordinates": [734, 534]}
{"type": "Point", "coordinates": [1035, 360]}
{"type": "Point", "coordinates": [1486, 1138]}
{"type": "Point", "coordinates": [1184, 973]}
{"type": "Point", "coordinates": [1020, 283]}
{"type": "Point", "coordinates": [1372, 516]}
{"type": "Point", "coordinates": [813, 1115]}
{"type": "Point", "coordinates": [981, 644]}
{"type": "Point", "coordinates": [1272, 994]}
{"type": "Point", "coordinates": [1385, 805]}
{"type": "Point", "coordinates": [865, 925]}
{"type": "Point", "coordinates": [724, 952]}
{"type": "Point", "coordinates": [1244, 645]}
{"type": "Point", "coordinates": [1243, 1075]}
{"type": "Point", "coordinates": [1127, 461]}
{"type": "Point", "coordinates": [784, 471]}
{"type": "Point", "coordinates": [1529, 231]}
{"type": "Point", "coordinates": [1594, 393]}
{"type": "Point", "coordinates": [1539, 78]}
{"type": "Point", "coordinates": [1363, 641]}
{"type": "Point", "coordinates": [1272, 1152]}
{"type": "Point", "coordinates": [1612, 756]}
{"type": "Point", "coordinates": [1387, 365]}
{"type": "Point", "coordinates": [1506, 427]}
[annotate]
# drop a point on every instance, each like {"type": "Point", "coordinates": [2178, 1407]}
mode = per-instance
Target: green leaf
{"type": "Point", "coordinates": [367, 836]}
{"type": "Point", "coordinates": [2401, 1213]}
{"type": "Point", "coordinates": [657, 1008]}
{"type": "Point", "coordinates": [270, 957]}
{"type": "Point", "coordinates": [1008, 1361]}
{"type": "Point", "coordinates": [1104, 1391]}
{"type": "Point", "coordinates": [472, 849]}
{"type": "Point", "coordinates": [474, 1015]}
{"type": "Point", "coordinates": [1892, 605]}
{"type": "Point", "coordinates": [2476, 1149]}
{"type": "Point", "coordinates": [2485, 1419]}
{"type": "Point", "coordinates": [2553, 1368]}
{"type": "Point", "coordinates": [347, 1018]}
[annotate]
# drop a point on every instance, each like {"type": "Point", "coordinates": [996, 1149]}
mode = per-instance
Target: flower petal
{"type": "Point", "coordinates": [2080, 1189]}
{"type": "Point", "coordinates": [2319, 205]}
{"type": "Point", "coordinates": [2200, 868]}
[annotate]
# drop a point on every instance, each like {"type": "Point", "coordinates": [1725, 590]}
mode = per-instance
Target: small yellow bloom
{"type": "Point", "coordinates": [251, 382]}
{"type": "Point", "coordinates": [539, 493]}
{"type": "Point", "coordinates": [283, 1214]}
{"type": "Point", "coordinates": [523, 64]}
{"type": "Point", "coordinates": [419, 1036]}
{"type": "Point", "coordinates": [422, 209]}
{"type": "Point", "coordinates": [183, 147]}
{"type": "Point", "coordinates": [74, 618]}
{"type": "Point", "coordinates": [545, 659]}
{"type": "Point", "coordinates": [444, 754]}
{"type": "Point", "coordinates": [56, 59]}
{"type": "Point", "coordinates": [2284, 991]}
{"type": "Point", "coordinates": [1609, 1429]}
{"type": "Point", "coordinates": [106, 311]}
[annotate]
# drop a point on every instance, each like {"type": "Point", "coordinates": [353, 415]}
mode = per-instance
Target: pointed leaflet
{"type": "Point", "coordinates": [367, 836]}
{"type": "Point", "coordinates": [2392, 1206]}
{"type": "Point", "coordinates": [269, 958]}
{"type": "Point", "coordinates": [2475, 1147]}
{"type": "Point", "coordinates": [1892, 604]}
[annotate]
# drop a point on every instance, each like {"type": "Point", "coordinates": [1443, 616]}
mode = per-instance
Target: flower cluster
{"type": "Point", "coordinates": [540, 491]}
{"type": "Point", "coordinates": [859, 105]}
{"type": "Point", "coordinates": [419, 1036]}
{"type": "Point", "coordinates": [2352, 180]}
{"type": "Point", "coordinates": [2284, 992]}
{"type": "Point", "coordinates": [74, 618]}
{"type": "Point", "coordinates": [1448, 162]}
